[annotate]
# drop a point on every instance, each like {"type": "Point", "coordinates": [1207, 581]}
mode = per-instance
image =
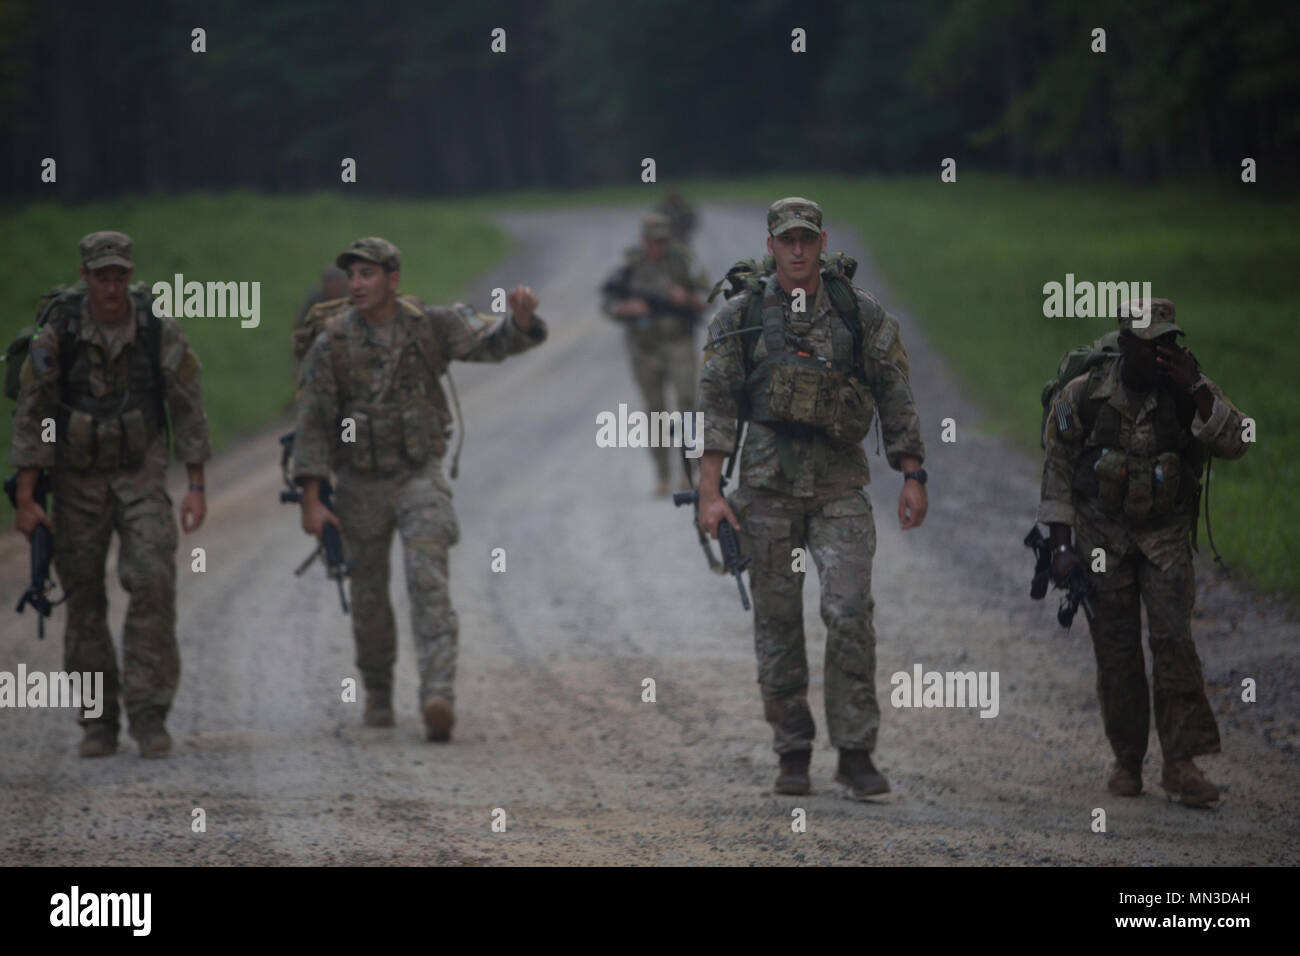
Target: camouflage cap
{"type": "Point", "coordinates": [656, 226]}
{"type": "Point", "coordinates": [99, 249]}
{"type": "Point", "coordinates": [1162, 318]}
{"type": "Point", "coordinates": [371, 249]}
{"type": "Point", "coordinates": [793, 213]}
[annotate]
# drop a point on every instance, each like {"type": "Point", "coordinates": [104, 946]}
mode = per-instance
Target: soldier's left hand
{"type": "Point", "coordinates": [523, 302]}
{"type": "Point", "coordinates": [1178, 365]}
{"type": "Point", "coordinates": [912, 505]}
{"type": "Point", "coordinates": [193, 510]}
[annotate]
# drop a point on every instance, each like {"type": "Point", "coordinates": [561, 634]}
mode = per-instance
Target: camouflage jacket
{"type": "Point", "coordinates": [643, 276]}
{"type": "Point", "coordinates": [1066, 497]}
{"type": "Point", "coordinates": [390, 390]}
{"type": "Point", "coordinates": [43, 385]}
{"type": "Point", "coordinates": [824, 466]}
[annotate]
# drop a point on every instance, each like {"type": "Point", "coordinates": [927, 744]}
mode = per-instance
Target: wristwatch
{"type": "Point", "coordinates": [919, 475]}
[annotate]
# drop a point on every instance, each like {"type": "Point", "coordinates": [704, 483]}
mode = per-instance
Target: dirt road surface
{"type": "Point", "coordinates": [605, 586]}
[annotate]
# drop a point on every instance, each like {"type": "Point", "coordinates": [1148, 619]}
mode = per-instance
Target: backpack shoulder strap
{"type": "Point", "coordinates": [65, 311]}
{"type": "Point", "coordinates": [337, 339]}
{"type": "Point", "coordinates": [1089, 404]}
{"type": "Point", "coordinates": [149, 329]}
{"type": "Point", "coordinates": [752, 318]}
{"type": "Point", "coordinates": [425, 339]}
{"type": "Point", "coordinates": [845, 302]}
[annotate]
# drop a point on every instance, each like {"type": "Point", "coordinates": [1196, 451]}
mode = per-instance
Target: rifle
{"type": "Point", "coordinates": [42, 551]}
{"type": "Point", "coordinates": [733, 562]}
{"type": "Point", "coordinates": [330, 548]}
{"type": "Point", "coordinates": [1078, 589]}
{"type": "Point", "coordinates": [618, 288]}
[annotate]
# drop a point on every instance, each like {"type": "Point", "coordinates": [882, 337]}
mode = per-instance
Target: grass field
{"type": "Point", "coordinates": [968, 259]}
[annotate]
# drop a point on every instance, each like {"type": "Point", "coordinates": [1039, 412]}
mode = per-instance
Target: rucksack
{"type": "Point", "coordinates": [67, 300]}
{"type": "Point", "coordinates": [1075, 362]}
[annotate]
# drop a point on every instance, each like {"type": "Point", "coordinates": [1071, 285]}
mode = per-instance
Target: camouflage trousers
{"type": "Point", "coordinates": [1184, 720]}
{"type": "Point", "coordinates": [88, 507]}
{"type": "Point", "coordinates": [839, 533]}
{"type": "Point", "coordinates": [656, 363]}
{"type": "Point", "coordinates": [417, 504]}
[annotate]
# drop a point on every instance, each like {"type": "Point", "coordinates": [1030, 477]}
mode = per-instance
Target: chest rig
{"type": "Point", "coordinates": [109, 412]}
{"type": "Point", "coordinates": [396, 402]}
{"type": "Point", "coordinates": [1142, 471]}
{"type": "Point", "coordinates": [795, 391]}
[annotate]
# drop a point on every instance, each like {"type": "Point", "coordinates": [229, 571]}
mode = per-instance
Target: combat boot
{"type": "Point", "coordinates": [1184, 781]}
{"type": "Point", "coordinates": [151, 734]}
{"type": "Point", "coordinates": [379, 707]}
{"type": "Point", "coordinates": [793, 777]}
{"type": "Point", "coordinates": [857, 772]}
{"type": "Point", "coordinates": [100, 740]}
{"type": "Point", "coordinates": [1125, 779]}
{"type": "Point", "coordinates": [438, 719]}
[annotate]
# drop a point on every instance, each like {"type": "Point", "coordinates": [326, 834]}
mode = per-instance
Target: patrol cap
{"type": "Point", "coordinates": [1162, 318]}
{"type": "Point", "coordinates": [371, 249]}
{"type": "Point", "coordinates": [656, 226]}
{"type": "Point", "coordinates": [793, 213]}
{"type": "Point", "coordinates": [99, 249]}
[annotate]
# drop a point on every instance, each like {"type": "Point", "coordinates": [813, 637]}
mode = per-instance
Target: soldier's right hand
{"type": "Point", "coordinates": [29, 515]}
{"type": "Point", "coordinates": [713, 508]}
{"type": "Point", "coordinates": [314, 518]}
{"type": "Point", "coordinates": [1063, 562]}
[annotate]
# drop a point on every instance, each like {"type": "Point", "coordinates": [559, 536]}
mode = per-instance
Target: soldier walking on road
{"type": "Point", "coordinates": [372, 378]}
{"type": "Point", "coordinates": [109, 372]}
{"type": "Point", "coordinates": [1125, 447]}
{"type": "Point", "coordinates": [808, 381]}
{"type": "Point", "coordinates": [656, 295]}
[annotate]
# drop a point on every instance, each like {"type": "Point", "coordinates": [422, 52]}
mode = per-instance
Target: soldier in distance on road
{"type": "Point", "coordinates": [656, 295]}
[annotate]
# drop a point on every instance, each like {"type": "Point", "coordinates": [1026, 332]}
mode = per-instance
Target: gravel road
{"type": "Point", "coordinates": [605, 586]}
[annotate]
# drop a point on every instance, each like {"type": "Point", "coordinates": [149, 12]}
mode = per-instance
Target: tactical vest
{"type": "Point", "coordinates": [111, 431]}
{"type": "Point", "coordinates": [410, 419]}
{"type": "Point", "coordinates": [1137, 487]}
{"type": "Point", "coordinates": [796, 393]}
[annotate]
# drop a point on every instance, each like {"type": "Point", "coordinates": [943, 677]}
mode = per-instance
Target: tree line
{"type": "Point", "coordinates": [585, 89]}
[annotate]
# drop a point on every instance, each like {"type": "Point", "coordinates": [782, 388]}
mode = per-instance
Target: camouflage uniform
{"type": "Point", "coordinates": [660, 346]}
{"type": "Point", "coordinates": [814, 499]}
{"type": "Point", "coordinates": [391, 476]}
{"type": "Point", "coordinates": [108, 473]}
{"type": "Point", "coordinates": [1105, 443]}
